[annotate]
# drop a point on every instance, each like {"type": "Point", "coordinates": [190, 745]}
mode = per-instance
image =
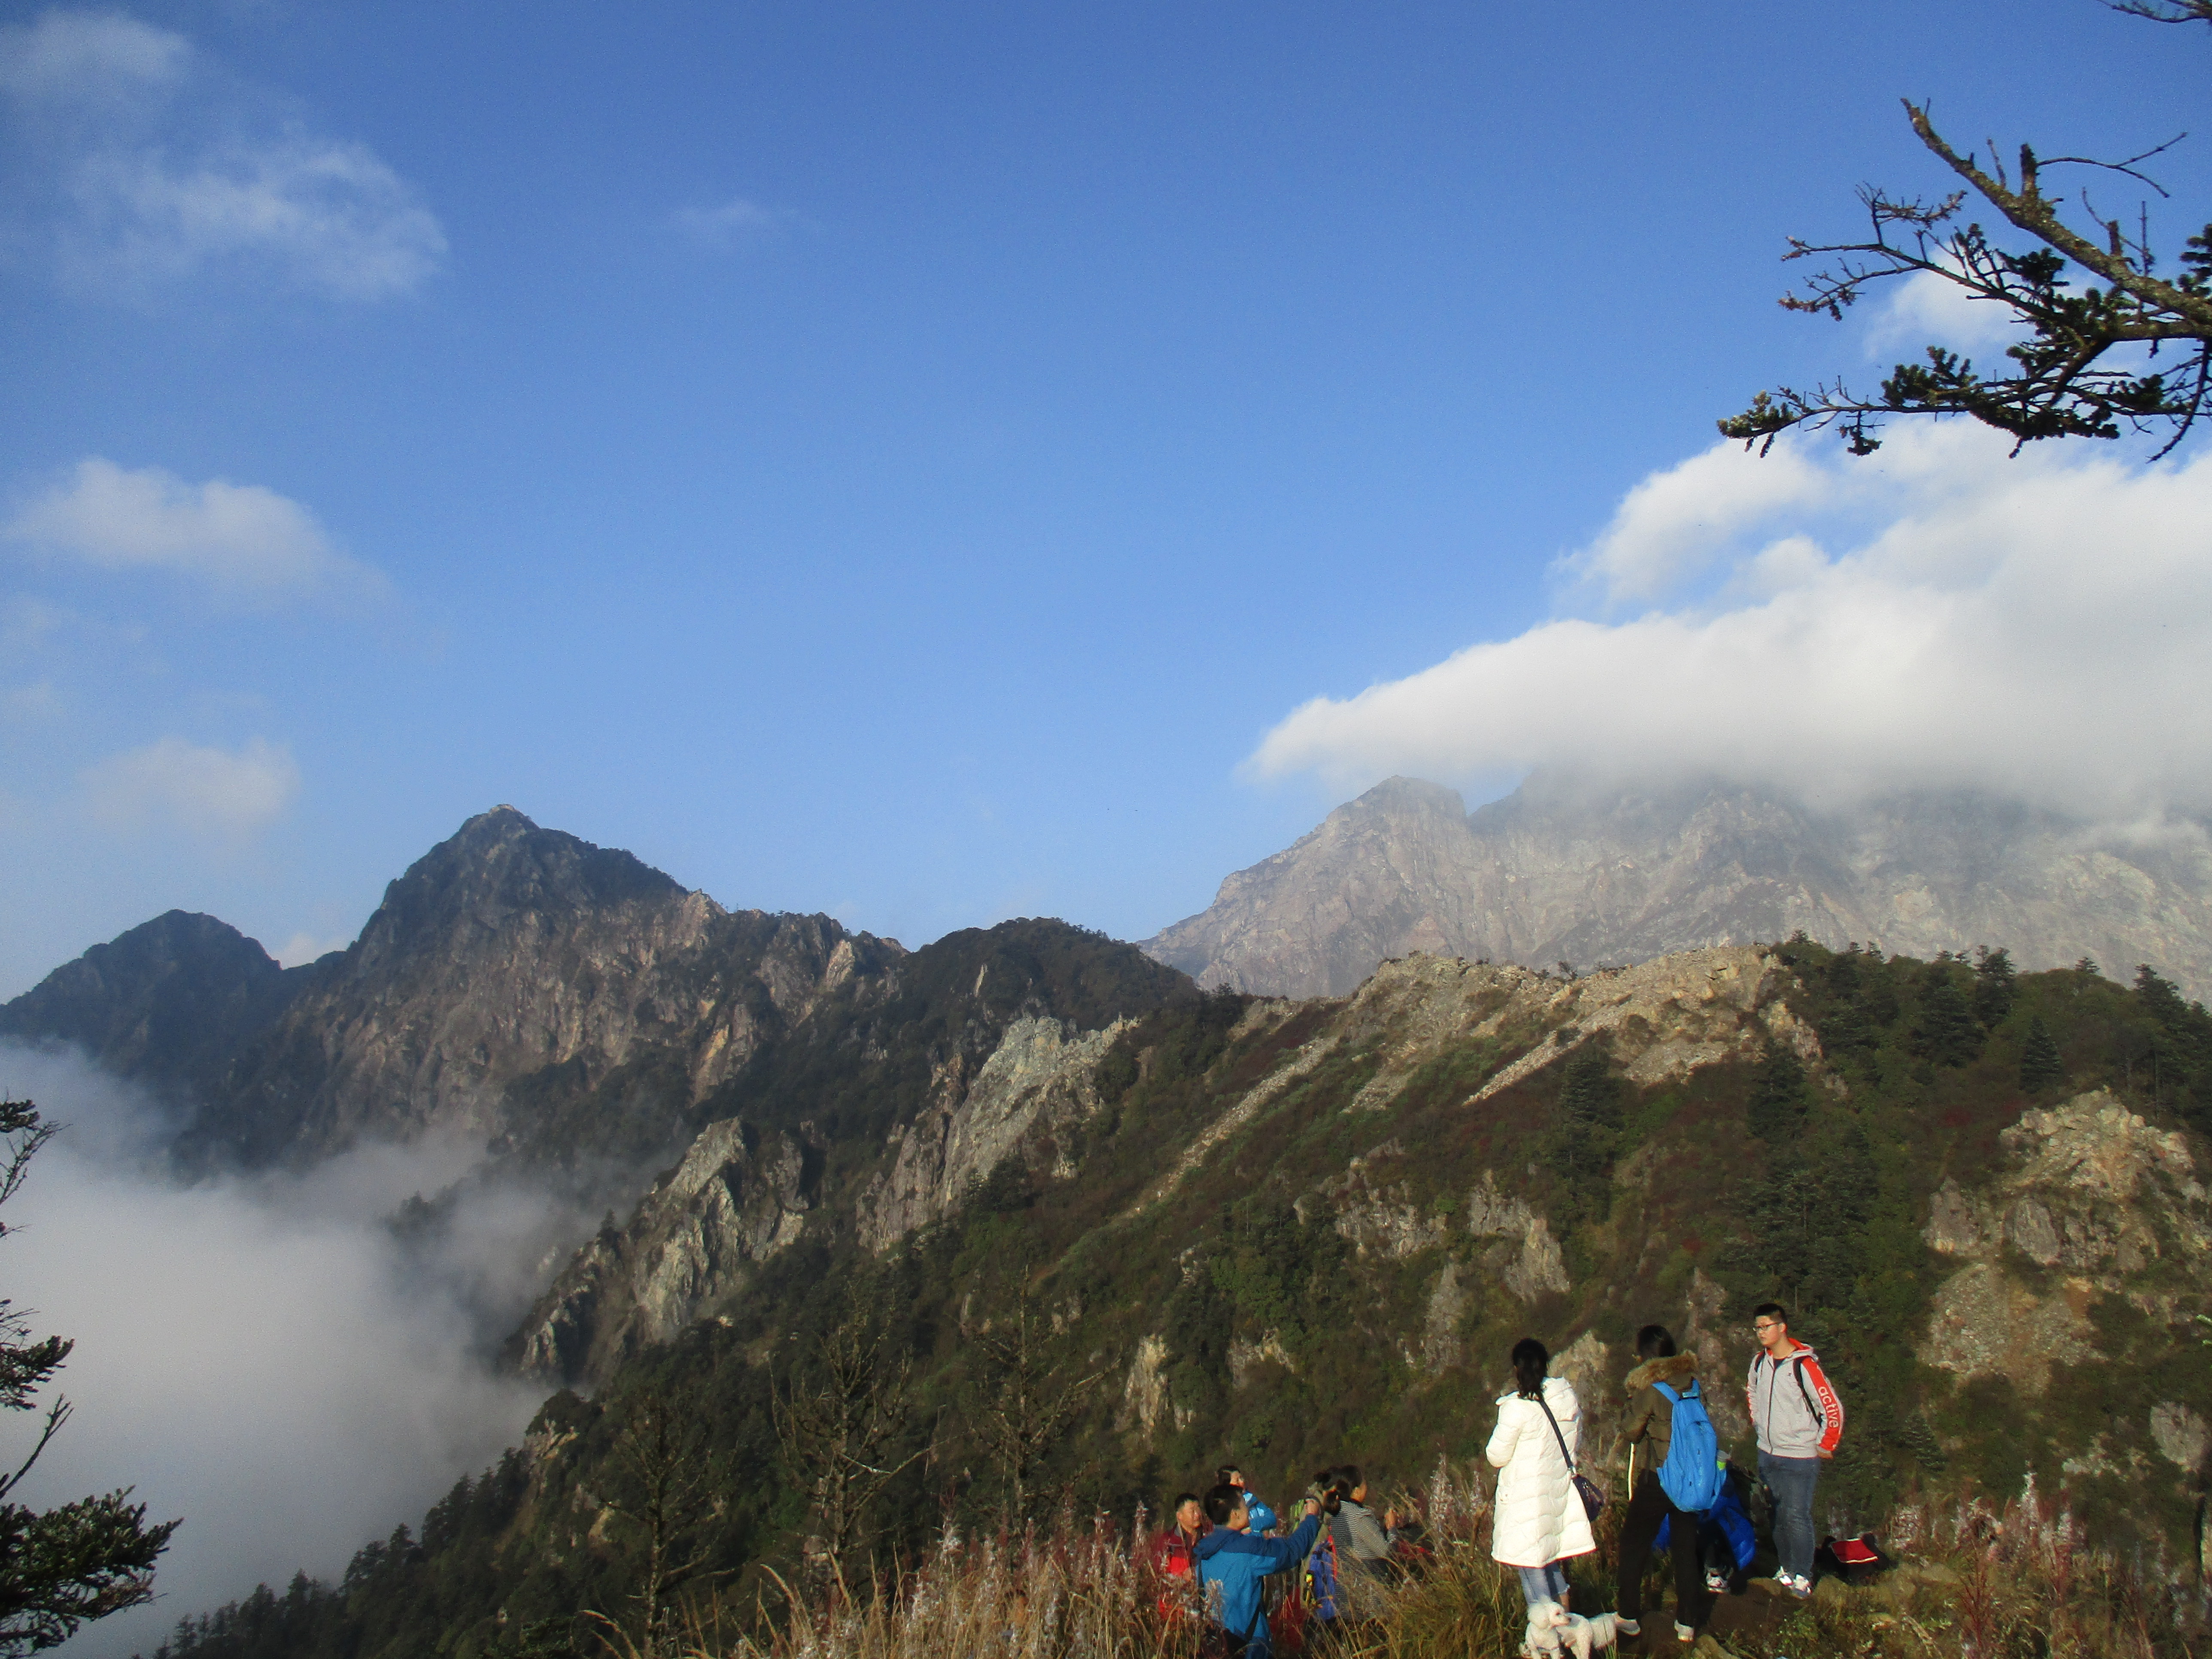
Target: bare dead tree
{"type": "Point", "coordinates": [666, 1489]}
{"type": "Point", "coordinates": [2086, 291]}
{"type": "Point", "coordinates": [1026, 1407]}
{"type": "Point", "coordinates": [843, 1418]}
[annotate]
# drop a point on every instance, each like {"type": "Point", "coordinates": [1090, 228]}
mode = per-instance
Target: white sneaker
{"type": "Point", "coordinates": [1683, 1633]}
{"type": "Point", "coordinates": [1716, 1582]}
{"type": "Point", "coordinates": [1796, 1584]}
{"type": "Point", "coordinates": [1627, 1626]}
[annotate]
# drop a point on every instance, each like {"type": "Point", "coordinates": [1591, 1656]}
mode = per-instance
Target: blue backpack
{"type": "Point", "coordinates": [1691, 1476]}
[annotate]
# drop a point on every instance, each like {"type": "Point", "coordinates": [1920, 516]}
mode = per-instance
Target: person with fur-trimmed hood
{"type": "Point", "coordinates": [1649, 1431]}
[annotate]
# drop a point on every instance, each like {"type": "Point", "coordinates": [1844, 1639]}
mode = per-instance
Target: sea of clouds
{"type": "Point", "coordinates": [260, 1356]}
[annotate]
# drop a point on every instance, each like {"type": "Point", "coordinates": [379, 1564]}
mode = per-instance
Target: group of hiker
{"type": "Point", "coordinates": [1682, 1497]}
{"type": "Point", "coordinates": [1231, 1542]}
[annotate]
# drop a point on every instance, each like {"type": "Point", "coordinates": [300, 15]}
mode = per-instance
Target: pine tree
{"type": "Point", "coordinates": [2040, 1065]}
{"type": "Point", "coordinates": [1584, 1137]}
{"type": "Point", "coordinates": [62, 1567]}
{"type": "Point", "coordinates": [1777, 1108]}
{"type": "Point", "coordinates": [1993, 987]}
{"type": "Point", "coordinates": [1949, 1033]}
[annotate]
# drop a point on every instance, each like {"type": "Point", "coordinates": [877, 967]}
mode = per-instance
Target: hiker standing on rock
{"type": "Point", "coordinates": [1799, 1420]}
{"type": "Point", "coordinates": [1541, 1522]}
{"type": "Point", "coordinates": [1663, 1380]}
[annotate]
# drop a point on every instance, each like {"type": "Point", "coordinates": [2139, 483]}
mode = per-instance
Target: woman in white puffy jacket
{"type": "Point", "coordinates": [1538, 1523]}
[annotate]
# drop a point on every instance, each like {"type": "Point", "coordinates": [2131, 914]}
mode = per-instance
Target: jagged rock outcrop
{"type": "Point", "coordinates": [512, 969]}
{"type": "Point", "coordinates": [1040, 1075]}
{"type": "Point", "coordinates": [1557, 872]}
{"type": "Point", "coordinates": [737, 1198]}
{"type": "Point", "coordinates": [2101, 1202]}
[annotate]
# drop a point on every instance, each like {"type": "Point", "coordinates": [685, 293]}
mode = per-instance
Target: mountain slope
{"type": "Point", "coordinates": [1287, 1234]}
{"type": "Point", "coordinates": [1554, 872]}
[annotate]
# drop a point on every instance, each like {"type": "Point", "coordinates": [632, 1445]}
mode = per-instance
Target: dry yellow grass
{"type": "Point", "coordinates": [1985, 1582]}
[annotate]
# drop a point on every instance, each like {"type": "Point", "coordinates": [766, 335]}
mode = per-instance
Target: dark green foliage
{"type": "Point", "coordinates": [2039, 1064]}
{"type": "Point", "coordinates": [1776, 1111]}
{"type": "Point", "coordinates": [2180, 1051]}
{"type": "Point", "coordinates": [1994, 986]}
{"type": "Point", "coordinates": [1585, 1135]}
{"type": "Point", "coordinates": [1948, 1033]}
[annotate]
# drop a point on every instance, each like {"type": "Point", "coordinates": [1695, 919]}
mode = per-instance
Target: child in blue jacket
{"type": "Point", "coordinates": [1231, 1558]}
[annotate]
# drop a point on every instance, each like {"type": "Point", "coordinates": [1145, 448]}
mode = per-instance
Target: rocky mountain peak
{"type": "Point", "coordinates": [499, 865]}
{"type": "Point", "coordinates": [1567, 869]}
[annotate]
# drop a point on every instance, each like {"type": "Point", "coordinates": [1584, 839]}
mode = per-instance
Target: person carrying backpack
{"type": "Point", "coordinates": [1799, 1420]}
{"type": "Point", "coordinates": [1677, 1479]}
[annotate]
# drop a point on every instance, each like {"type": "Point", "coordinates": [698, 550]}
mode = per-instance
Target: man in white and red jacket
{"type": "Point", "coordinates": [1798, 1419]}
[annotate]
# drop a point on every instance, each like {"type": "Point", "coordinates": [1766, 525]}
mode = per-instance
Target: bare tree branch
{"type": "Point", "coordinates": [2165, 11]}
{"type": "Point", "coordinates": [666, 1491]}
{"type": "Point", "coordinates": [842, 1418]}
{"type": "Point", "coordinates": [2061, 378]}
{"type": "Point", "coordinates": [1027, 1410]}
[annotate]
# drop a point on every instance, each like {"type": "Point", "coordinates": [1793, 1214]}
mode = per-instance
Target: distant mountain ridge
{"type": "Point", "coordinates": [561, 1001]}
{"type": "Point", "coordinates": [1556, 872]}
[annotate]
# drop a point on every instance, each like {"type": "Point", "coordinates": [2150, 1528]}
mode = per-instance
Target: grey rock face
{"type": "Point", "coordinates": [1040, 1073]}
{"type": "Point", "coordinates": [513, 974]}
{"type": "Point", "coordinates": [1555, 872]}
{"type": "Point", "coordinates": [2090, 1189]}
{"type": "Point", "coordinates": [734, 1201]}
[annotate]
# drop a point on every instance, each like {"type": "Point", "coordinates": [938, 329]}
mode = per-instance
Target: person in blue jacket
{"type": "Point", "coordinates": [1231, 1558]}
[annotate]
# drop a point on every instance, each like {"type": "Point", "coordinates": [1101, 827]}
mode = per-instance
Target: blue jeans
{"type": "Point", "coordinates": [1791, 1479]}
{"type": "Point", "coordinates": [1547, 1583]}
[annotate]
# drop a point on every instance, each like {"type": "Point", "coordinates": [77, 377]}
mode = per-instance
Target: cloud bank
{"type": "Point", "coordinates": [147, 164]}
{"type": "Point", "coordinates": [174, 784]}
{"type": "Point", "coordinates": [243, 542]}
{"type": "Point", "coordinates": [257, 1356]}
{"type": "Point", "coordinates": [1941, 617]}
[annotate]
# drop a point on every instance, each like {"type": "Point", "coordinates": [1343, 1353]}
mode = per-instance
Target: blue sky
{"type": "Point", "coordinates": [902, 461]}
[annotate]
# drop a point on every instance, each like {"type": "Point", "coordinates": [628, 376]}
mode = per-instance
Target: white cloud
{"type": "Point", "coordinates": [322, 214]}
{"type": "Point", "coordinates": [258, 1356]}
{"type": "Point", "coordinates": [208, 791]}
{"type": "Point", "coordinates": [1925, 309]}
{"type": "Point", "coordinates": [75, 56]}
{"type": "Point", "coordinates": [243, 540]}
{"type": "Point", "coordinates": [732, 221]}
{"type": "Point", "coordinates": [1675, 523]}
{"type": "Point", "coordinates": [2040, 627]}
{"type": "Point", "coordinates": [305, 947]}
{"type": "Point", "coordinates": [148, 165]}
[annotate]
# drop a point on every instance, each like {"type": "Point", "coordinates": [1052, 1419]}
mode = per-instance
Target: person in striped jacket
{"type": "Point", "coordinates": [1799, 1420]}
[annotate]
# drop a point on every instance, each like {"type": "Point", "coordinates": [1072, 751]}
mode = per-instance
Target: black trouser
{"type": "Point", "coordinates": [1649, 1505]}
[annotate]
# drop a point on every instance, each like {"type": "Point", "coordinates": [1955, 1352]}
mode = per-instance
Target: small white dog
{"type": "Point", "coordinates": [1553, 1630]}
